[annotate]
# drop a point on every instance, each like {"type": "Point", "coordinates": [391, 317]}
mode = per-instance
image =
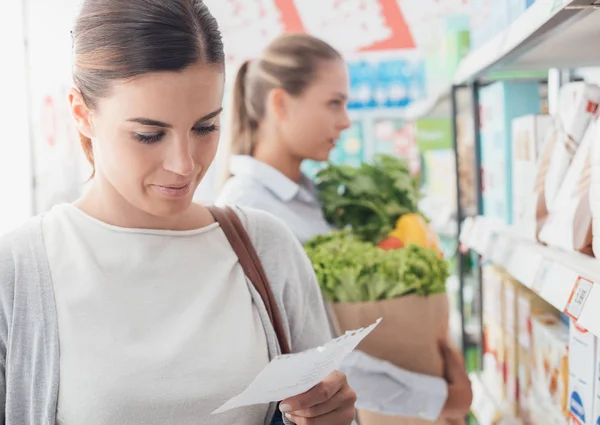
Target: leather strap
{"type": "Point", "coordinates": [249, 260]}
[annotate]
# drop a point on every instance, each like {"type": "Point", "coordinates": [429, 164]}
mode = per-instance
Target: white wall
{"type": "Point", "coordinates": [15, 154]}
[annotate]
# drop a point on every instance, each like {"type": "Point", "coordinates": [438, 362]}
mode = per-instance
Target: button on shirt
{"type": "Point", "coordinates": [257, 185]}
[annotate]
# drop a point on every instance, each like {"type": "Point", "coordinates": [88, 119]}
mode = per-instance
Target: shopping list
{"type": "Point", "coordinates": [290, 375]}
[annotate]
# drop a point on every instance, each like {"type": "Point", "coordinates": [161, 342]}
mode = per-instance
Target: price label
{"type": "Point", "coordinates": [540, 278]}
{"type": "Point", "coordinates": [578, 297]}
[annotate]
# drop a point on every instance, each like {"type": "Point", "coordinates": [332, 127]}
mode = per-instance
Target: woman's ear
{"type": "Point", "coordinates": [278, 103]}
{"type": "Point", "coordinates": [80, 113]}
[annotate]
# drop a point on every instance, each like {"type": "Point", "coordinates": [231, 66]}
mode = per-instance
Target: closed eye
{"type": "Point", "coordinates": [204, 131]}
{"type": "Point", "coordinates": [149, 138]}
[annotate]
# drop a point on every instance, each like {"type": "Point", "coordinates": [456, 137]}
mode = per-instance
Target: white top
{"type": "Point", "coordinates": [257, 185]}
{"type": "Point", "coordinates": [144, 341]}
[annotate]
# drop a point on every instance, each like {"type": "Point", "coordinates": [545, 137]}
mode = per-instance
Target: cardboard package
{"type": "Point", "coordinates": [529, 305]}
{"type": "Point", "coordinates": [596, 420]}
{"type": "Point", "coordinates": [595, 189]}
{"type": "Point", "coordinates": [408, 337]}
{"type": "Point", "coordinates": [494, 348]}
{"type": "Point", "coordinates": [578, 105]}
{"type": "Point", "coordinates": [501, 103]}
{"type": "Point", "coordinates": [550, 372]}
{"type": "Point", "coordinates": [582, 376]}
{"type": "Point", "coordinates": [511, 346]}
{"type": "Point", "coordinates": [528, 135]}
{"type": "Point", "coordinates": [569, 224]}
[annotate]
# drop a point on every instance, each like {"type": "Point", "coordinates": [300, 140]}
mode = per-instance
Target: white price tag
{"type": "Point", "coordinates": [579, 296]}
{"type": "Point", "coordinates": [540, 278]}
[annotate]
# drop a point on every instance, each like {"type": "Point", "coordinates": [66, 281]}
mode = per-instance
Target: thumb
{"type": "Point", "coordinates": [453, 362]}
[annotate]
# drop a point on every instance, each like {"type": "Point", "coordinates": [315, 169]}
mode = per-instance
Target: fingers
{"type": "Point", "coordinates": [454, 365]}
{"type": "Point", "coordinates": [344, 398]}
{"type": "Point", "coordinates": [317, 395]}
{"type": "Point", "coordinates": [339, 417]}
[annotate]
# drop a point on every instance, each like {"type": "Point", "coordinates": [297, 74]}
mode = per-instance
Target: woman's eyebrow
{"type": "Point", "coordinates": [155, 123]}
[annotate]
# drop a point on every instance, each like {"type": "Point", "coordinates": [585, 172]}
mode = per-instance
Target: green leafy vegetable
{"type": "Point", "coordinates": [369, 199]}
{"type": "Point", "coordinates": [351, 270]}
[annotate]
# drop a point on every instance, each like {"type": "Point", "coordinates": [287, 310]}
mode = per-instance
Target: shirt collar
{"type": "Point", "coordinates": [284, 188]}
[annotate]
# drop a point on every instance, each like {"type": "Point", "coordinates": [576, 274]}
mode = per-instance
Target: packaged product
{"type": "Point", "coordinates": [528, 135]}
{"type": "Point", "coordinates": [494, 349]}
{"type": "Point", "coordinates": [596, 420]}
{"type": "Point", "coordinates": [529, 305]}
{"type": "Point", "coordinates": [569, 224]}
{"type": "Point", "coordinates": [578, 105]}
{"type": "Point", "coordinates": [550, 372]}
{"type": "Point", "coordinates": [511, 345]}
{"type": "Point", "coordinates": [594, 193]}
{"type": "Point", "coordinates": [582, 377]}
{"type": "Point", "coordinates": [500, 104]}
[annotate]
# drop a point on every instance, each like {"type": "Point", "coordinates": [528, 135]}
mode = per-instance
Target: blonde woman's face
{"type": "Point", "coordinates": [314, 121]}
{"type": "Point", "coordinates": [156, 135]}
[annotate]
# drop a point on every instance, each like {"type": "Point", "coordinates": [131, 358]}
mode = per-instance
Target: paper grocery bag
{"type": "Point", "coordinates": [408, 337]}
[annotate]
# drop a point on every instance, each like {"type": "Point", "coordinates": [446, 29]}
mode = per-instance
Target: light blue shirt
{"type": "Point", "coordinates": [257, 185]}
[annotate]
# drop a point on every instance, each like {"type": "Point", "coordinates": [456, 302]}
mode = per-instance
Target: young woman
{"type": "Point", "coordinates": [290, 106]}
{"type": "Point", "coordinates": [130, 306]}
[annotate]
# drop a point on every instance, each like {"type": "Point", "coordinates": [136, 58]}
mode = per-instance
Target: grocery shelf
{"type": "Point", "coordinates": [550, 34]}
{"type": "Point", "coordinates": [486, 408]}
{"type": "Point", "coordinates": [566, 280]}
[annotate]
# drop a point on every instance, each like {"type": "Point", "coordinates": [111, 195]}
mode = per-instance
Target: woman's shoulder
{"type": "Point", "coordinates": [267, 231]}
{"type": "Point", "coordinates": [21, 236]}
{"type": "Point", "coordinates": [243, 191]}
{"type": "Point", "coordinates": [18, 246]}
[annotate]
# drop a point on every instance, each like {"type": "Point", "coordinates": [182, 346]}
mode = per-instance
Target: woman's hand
{"type": "Point", "coordinates": [460, 394]}
{"type": "Point", "coordinates": [329, 403]}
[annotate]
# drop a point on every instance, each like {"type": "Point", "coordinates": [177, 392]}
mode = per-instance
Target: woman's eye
{"type": "Point", "coordinates": [148, 138]}
{"type": "Point", "coordinates": [335, 103]}
{"type": "Point", "coordinates": [203, 131]}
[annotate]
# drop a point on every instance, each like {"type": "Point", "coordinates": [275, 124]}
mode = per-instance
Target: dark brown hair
{"type": "Point", "coordinates": [120, 39]}
{"type": "Point", "coordinates": [290, 62]}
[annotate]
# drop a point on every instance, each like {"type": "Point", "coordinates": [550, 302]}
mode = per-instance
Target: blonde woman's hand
{"type": "Point", "coordinates": [329, 403]}
{"type": "Point", "coordinates": [460, 394]}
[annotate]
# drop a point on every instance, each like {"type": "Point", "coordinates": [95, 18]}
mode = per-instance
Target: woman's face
{"type": "Point", "coordinates": [313, 122]}
{"type": "Point", "coordinates": [155, 136]}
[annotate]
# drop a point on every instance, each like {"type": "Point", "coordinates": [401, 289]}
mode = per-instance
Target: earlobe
{"type": "Point", "coordinates": [80, 113]}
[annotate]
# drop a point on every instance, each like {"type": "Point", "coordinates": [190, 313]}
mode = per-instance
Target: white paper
{"type": "Point", "coordinates": [292, 375]}
{"type": "Point", "coordinates": [386, 389]}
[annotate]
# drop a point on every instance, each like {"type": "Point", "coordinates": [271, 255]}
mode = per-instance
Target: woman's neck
{"type": "Point", "coordinates": [275, 155]}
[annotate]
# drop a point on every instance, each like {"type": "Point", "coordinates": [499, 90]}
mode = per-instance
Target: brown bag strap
{"type": "Point", "coordinates": [249, 260]}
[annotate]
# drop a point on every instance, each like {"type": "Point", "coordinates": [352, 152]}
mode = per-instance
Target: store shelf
{"type": "Point", "coordinates": [566, 280]}
{"type": "Point", "coordinates": [486, 408]}
{"type": "Point", "coordinates": [550, 34]}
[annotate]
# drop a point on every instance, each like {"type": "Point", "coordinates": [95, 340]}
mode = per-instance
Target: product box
{"type": "Point", "coordinates": [511, 345]}
{"type": "Point", "coordinates": [529, 305]}
{"type": "Point", "coordinates": [500, 104]}
{"type": "Point", "coordinates": [569, 224]}
{"type": "Point", "coordinates": [596, 420]}
{"type": "Point", "coordinates": [550, 372]}
{"type": "Point", "coordinates": [582, 376]}
{"type": "Point", "coordinates": [494, 350]}
{"type": "Point", "coordinates": [528, 135]}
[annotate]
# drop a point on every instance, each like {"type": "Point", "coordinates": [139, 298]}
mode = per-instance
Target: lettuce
{"type": "Point", "coordinates": [351, 270]}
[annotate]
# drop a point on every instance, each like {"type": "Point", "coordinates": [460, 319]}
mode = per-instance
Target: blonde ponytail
{"type": "Point", "coordinates": [243, 125]}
